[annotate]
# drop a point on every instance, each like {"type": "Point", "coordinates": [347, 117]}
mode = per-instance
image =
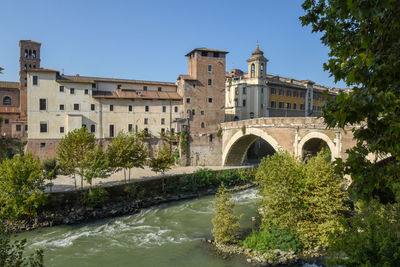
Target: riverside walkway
{"type": "Point", "coordinates": [66, 183]}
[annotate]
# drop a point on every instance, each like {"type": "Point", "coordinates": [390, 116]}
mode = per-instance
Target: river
{"type": "Point", "coordinates": [164, 235]}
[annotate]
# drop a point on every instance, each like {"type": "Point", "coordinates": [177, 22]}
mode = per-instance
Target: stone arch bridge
{"type": "Point", "coordinates": [291, 134]}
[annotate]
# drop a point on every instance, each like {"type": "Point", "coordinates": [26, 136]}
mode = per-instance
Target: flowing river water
{"type": "Point", "coordinates": [165, 235]}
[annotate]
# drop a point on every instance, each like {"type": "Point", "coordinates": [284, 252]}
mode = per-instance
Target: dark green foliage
{"type": "Point", "coordinates": [363, 37]}
{"type": "Point", "coordinates": [371, 237]}
{"type": "Point", "coordinates": [10, 147]}
{"type": "Point", "coordinates": [12, 252]}
{"type": "Point", "coordinates": [272, 238]}
{"type": "Point", "coordinates": [304, 199]}
{"type": "Point", "coordinates": [95, 196]}
{"type": "Point", "coordinates": [183, 141]}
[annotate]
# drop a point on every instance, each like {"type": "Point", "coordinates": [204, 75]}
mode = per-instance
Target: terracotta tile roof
{"type": "Point", "coordinates": [14, 85]}
{"type": "Point", "coordinates": [122, 94]}
{"type": "Point", "coordinates": [9, 109]}
{"type": "Point", "coordinates": [41, 70]}
{"type": "Point", "coordinates": [84, 79]}
{"type": "Point", "coordinates": [208, 50]}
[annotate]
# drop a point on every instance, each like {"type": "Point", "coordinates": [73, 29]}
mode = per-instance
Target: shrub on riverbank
{"type": "Point", "coordinates": [225, 222]}
{"type": "Point", "coordinates": [371, 237]}
{"type": "Point", "coordinates": [304, 199]}
{"type": "Point", "coordinates": [95, 196]}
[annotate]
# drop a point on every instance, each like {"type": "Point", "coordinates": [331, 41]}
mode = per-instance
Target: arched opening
{"type": "Point", "coordinates": [252, 70]}
{"type": "Point", "coordinates": [236, 118]}
{"type": "Point", "coordinates": [34, 54]}
{"type": "Point", "coordinates": [262, 67]}
{"type": "Point", "coordinates": [257, 151]}
{"type": "Point", "coordinates": [30, 53]}
{"type": "Point", "coordinates": [7, 101]}
{"type": "Point", "coordinates": [26, 53]}
{"type": "Point", "coordinates": [312, 147]}
{"type": "Point", "coordinates": [202, 125]}
{"type": "Point", "coordinates": [248, 149]}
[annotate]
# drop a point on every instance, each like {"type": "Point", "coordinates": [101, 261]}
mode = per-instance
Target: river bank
{"type": "Point", "coordinates": [68, 207]}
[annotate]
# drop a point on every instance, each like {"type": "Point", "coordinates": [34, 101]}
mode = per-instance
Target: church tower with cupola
{"type": "Point", "coordinates": [257, 64]}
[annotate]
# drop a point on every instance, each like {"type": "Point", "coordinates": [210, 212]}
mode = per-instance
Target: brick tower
{"type": "Point", "coordinates": [29, 59]}
{"type": "Point", "coordinates": [203, 91]}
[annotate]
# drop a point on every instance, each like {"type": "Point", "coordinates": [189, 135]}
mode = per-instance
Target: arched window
{"type": "Point", "coordinates": [252, 70]}
{"type": "Point", "coordinates": [34, 66]}
{"type": "Point", "coordinates": [202, 125]}
{"type": "Point", "coordinates": [26, 53]}
{"type": "Point", "coordinates": [7, 101]}
{"type": "Point", "coordinates": [262, 67]}
{"type": "Point", "coordinates": [25, 67]}
{"type": "Point", "coordinates": [30, 53]}
{"type": "Point", "coordinates": [30, 66]}
{"type": "Point", "coordinates": [236, 118]}
{"type": "Point", "coordinates": [34, 54]}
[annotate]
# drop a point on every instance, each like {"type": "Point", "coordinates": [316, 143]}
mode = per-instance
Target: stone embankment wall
{"type": "Point", "coordinates": [68, 207]}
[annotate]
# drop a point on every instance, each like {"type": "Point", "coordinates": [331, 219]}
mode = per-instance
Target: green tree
{"type": "Point", "coordinates": [22, 185]}
{"type": "Point", "coordinates": [225, 222]}
{"type": "Point", "coordinates": [1, 70]}
{"type": "Point", "coordinates": [363, 38]}
{"type": "Point", "coordinates": [127, 151]}
{"type": "Point", "coordinates": [94, 164]}
{"type": "Point", "coordinates": [50, 168]}
{"type": "Point", "coordinates": [164, 161]}
{"type": "Point", "coordinates": [74, 151]}
{"type": "Point", "coordinates": [304, 199]}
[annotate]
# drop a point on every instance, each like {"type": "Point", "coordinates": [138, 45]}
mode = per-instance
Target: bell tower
{"type": "Point", "coordinates": [29, 59]}
{"type": "Point", "coordinates": [257, 64]}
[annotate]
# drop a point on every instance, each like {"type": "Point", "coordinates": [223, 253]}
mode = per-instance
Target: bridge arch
{"type": "Point", "coordinates": [237, 146]}
{"type": "Point", "coordinates": [317, 136]}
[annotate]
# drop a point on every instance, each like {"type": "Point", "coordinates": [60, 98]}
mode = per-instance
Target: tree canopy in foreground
{"type": "Point", "coordinates": [364, 41]}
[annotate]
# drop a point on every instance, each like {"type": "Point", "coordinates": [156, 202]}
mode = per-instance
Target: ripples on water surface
{"type": "Point", "coordinates": [165, 235]}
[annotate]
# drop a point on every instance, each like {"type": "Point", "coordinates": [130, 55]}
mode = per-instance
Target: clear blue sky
{"type": "Point", "coordinates": [147, 40]}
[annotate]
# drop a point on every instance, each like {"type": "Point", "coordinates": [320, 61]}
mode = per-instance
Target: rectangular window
{"type": "Point", "coordinates": [93, 85]}
{"type": "Point", "coordinates": [86, 91]}
{"type": "Point", "coordinates": [162, 121]}
{"type": "Point", "coordinates": [188, 100]}
{"type": "Point", "coordinates": [288, 105]}
{"type": "Point", "coordinates": [130, 108]}
{"type": "Point", "coordinates": [273, 104]}
{"type": "Point", "coordinates": [92, 107]}
{"type": "Point", "coordinates": [42, 145]}
{"type": "Point", "coordinates": [294, 106]}
{"type": "Point", "coordinates": [43, 127]}
{"type": "Point", "coordinates": [130, 127]}
{"type": "Point", "coordinates": [42, 104]}
{"type": "Point", "coordinates": [244, 102]}
{"type": "Point", "coordinates": [288, 93]}
{"type": "Point", "coordinates": [6, 121]}
{"type": "Point", "coordinates": [302, 106]}
{"type": "Point", "coordinates": [176, 109]}
{"type": "Point", "coordinates": [76, 106]}
{"type": "Point", "coordinates": [61, 89]}
{"type": "Point", "coordinates": [209, 68]}
{"type": "Point", "coordinates": [201, 112]}
{"type": "Point", "coordinates": [111, 107]}
{"type": "Point", "coordinates": [236, 102]}
{"type": "Point", "coordinates": [262, 90]}
{"type": "Point", "coordinates": [273, 91]}
{"type": "Point", "coordinates": [146, 108]}
{"type": "Point", "coordinates": [280, 104]}
{"type": "Point", "coordinates": [210, 100]}
{"type": "Point", "coordinates": [204, 53]}
{"type": "Point", "coordinates": [244, 90]}
{"type": "Point", "coordinates": [295, 94]}
{"type": "Point", "coordinates": [162, 130]}
{"type": "Point", "coordinates": [92, 128]}
{"type": "Point", "coordinates": [62, 129]}
{"type": "Point", "coordinates": [146, 120]}
{"type": "Point", "coordinates": [72, 91]}
{"type": "Point", "coordinates": [62, 106]}
{"type": "Point", "coordinates": [18, 127]}
{"type": "Point", "coordinates": [164, 109]}
{"type": "Point", "coordinates": [35, 80]}
{"type": "Point", "coordinates": [118, 86]}
{"type": "Point", "coordinates": [144, 88]}
{"type": "Point", "coordinates": [302, 94]}
{"type": "Point", "coordinates": [159, 89]}
{"type": "Point", "coordinates": [281, 92]}
{"type": "Point", "coordinates": [111, 130]}
{"type": "Point", "coordinates": [216, 54]}
{"type": "Point", "coordinates": [84, 125]}
{"type": "Point", "coordinates": [209, 82]}
{"type": "Point", "coordinates": [26, 127]}
{"type": "Point", "coordinates": [172, 131]}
